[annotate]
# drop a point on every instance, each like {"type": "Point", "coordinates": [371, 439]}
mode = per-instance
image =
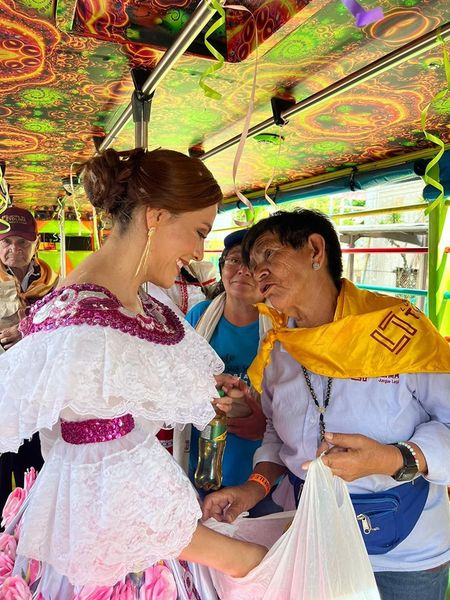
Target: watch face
{"type": "Point", "coordinates": [406, 474]}
{"type": "Point", "coordinates": [409, 469]}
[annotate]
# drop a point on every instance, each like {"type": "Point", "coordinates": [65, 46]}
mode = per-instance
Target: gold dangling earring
{"type": "Point", "coordinates": [36, 255]}
{"type": "Point", "coordinates": [146, 252]}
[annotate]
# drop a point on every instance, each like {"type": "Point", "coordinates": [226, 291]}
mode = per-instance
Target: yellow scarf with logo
{"type": "Point", "coordinates": [372, 335]}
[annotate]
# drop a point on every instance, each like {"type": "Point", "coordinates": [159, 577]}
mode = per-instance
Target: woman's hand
{"type": "Point", "coordinates": [325, 447]}
{"type": "Point", "coordinates": [253, 426]}
{"type": "Point", "coordinates": [352, 456]}
{"type": "Point", "coordinates": [230, 502]}
{"type": "Point", "coordinates": [233, 404]}
{"type": "Point", "coordinates": [223, 553]}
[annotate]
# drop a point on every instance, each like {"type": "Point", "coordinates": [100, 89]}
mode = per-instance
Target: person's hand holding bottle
{"type": "Point", "coordinates": [233, 402]}
{"type": "Point", "coordinates": [249, 426]}
{"type": "Point", "coordinates": [242, 406]}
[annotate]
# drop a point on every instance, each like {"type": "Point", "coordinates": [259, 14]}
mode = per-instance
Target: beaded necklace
{"type": "Point", "coordinates": [321, 408]}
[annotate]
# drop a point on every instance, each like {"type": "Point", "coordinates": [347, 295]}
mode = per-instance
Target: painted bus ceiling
{"type": "Point", "coordinates": [65, 76]}
{"type": "Point", "coordinates": [157, 22]}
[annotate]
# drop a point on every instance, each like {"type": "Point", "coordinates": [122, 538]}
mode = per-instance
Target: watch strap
{"type": "Point", "coordinates": [410, 466]}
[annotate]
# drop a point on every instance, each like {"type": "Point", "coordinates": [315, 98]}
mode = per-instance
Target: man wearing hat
{"type": "Point", "coordinates": [23, 277]}
{"type": "Point", "coordinates": [23, 280]}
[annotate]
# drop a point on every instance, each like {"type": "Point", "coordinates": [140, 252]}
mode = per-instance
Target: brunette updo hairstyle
{"type": "Point", "coordinates": [120, 182]}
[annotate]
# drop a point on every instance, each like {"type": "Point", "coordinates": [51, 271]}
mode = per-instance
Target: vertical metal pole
{"type": "Point", "coordinates": [62, 239]}
{"type": "Point", "coordinates": [423, 302]}
{"type": "Point", "coordinates": [141, 134]}
{"type": "Point", "coordinates": [141, 104]}
{"type": "Point", "coordinates": [351, 259]}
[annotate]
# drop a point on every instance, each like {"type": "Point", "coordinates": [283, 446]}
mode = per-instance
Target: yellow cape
{"type": "Point", "coordinates": [372, 335]}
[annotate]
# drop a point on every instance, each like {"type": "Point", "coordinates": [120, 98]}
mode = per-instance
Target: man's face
{"type": "Point", "coordinates": [16, 252]}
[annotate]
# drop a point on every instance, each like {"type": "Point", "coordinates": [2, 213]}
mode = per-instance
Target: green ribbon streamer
{"type": "Point", "coordinates": [4, 202]}
{"type": "Point", "coordinates": [216, 66]}
{"type": "Point", "coordinates": [431, 175]}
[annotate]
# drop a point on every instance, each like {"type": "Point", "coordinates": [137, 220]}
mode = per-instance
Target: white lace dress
{"type": "Point", "coordinates": [101, 510]}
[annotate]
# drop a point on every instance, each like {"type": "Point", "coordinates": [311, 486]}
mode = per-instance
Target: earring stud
{"type": "Point", "coordinates": [316, 266]}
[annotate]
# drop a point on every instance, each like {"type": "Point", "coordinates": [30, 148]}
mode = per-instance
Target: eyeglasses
{"type": "Point", "coordinates": [233, 261]}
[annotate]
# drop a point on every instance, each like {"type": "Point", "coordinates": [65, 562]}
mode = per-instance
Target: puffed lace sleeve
{"type": "Point", "coordinates": [83, 351]}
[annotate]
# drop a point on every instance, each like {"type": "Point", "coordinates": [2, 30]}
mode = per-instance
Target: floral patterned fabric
{"type": "Point", "coordinates": [31, 580]}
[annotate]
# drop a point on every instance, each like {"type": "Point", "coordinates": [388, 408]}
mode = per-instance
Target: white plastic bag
{"type": "Point", "coordinates": [320, 557]}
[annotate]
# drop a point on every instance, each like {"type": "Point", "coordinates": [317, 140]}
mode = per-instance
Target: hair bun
{"type": "Point", "coordinates": [106, 176]}
{"type": "Point", "coordinates": [121, 182]}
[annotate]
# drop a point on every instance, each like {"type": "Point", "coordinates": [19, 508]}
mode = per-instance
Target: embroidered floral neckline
{"type": "Point", "coordinates": [94, 305]}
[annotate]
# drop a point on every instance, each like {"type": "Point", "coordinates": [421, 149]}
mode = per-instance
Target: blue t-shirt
{"type": "Point", "coordinates": [237, 347]}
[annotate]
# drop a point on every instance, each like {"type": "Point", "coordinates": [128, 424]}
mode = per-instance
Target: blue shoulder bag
{"type": "Point", "coordinates": [385, 518]}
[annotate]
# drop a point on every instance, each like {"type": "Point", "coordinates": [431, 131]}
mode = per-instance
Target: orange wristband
{"type": "Point", "coordinates": [261, 480]}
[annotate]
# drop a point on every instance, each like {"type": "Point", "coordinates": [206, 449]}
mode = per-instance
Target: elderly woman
{"type": "Point", "coordinates": [364, 378]}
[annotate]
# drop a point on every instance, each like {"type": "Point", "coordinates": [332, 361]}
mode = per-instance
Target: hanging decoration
{"type": "Point", "coordinates": [431, 175]}
{"type": "Point", "coordinates": [244, 134]}
{"type": "Point", "coordinates": [237, 159]}
{"type": "Point", "coordinates": [217, 96]}
{"type": "Point", "coordinates": [362, 16]}
{"type": "Point", "coordinates": [74, 183]}
{"type": "Point", "coordinates": [215, 66]}
{"type": "Point", "coordinates": [4, 200]}
{"type": "Point", "coordinates": [270, 200]}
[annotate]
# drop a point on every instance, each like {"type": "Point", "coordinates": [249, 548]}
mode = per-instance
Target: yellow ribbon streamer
{"type": "Point", "coordinates": [431, 175]}
{"type": "Point", "coordinates": [216, 66]}
{"type": "Point", "coordinates": [210, 93]}
{"type": "Point", "coordinates": [4, 203]}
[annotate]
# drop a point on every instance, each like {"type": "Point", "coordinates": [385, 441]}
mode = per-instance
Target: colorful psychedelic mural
{"type": "Point", "coordinates": [65, 77]}
{"type": "Point", "coordinates": [156, 22]}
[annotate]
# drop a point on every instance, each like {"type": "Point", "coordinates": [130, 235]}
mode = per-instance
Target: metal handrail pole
{"type": "Point", "coordinates": [62, 240]}
{"type": "Point", "coordinates": [417, 46]}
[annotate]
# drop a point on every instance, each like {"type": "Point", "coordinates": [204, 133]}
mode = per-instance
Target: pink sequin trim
{"type": "Point", "coordinates": [94, 431]}
{"type": "Point", "coordinates": [90, 304]}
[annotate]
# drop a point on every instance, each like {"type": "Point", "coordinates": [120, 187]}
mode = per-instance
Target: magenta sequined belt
{"type": "Point", "coordinates": [94, 431]}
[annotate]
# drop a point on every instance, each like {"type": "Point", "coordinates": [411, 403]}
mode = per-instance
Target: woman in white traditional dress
{"type": "Point", "coordinates": [101, 368]}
